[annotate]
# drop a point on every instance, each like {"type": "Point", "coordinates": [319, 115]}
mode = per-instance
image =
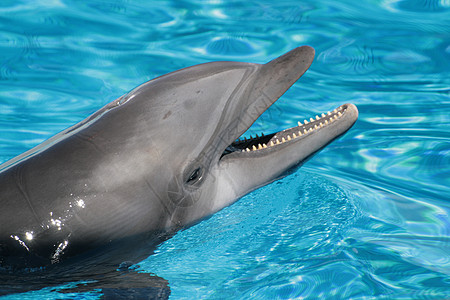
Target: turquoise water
{"type": "Point", "coordinates": [367, 218]}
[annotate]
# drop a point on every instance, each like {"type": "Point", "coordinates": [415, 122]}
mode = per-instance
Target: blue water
{"type": "Point", "coordinates": [367, 218]}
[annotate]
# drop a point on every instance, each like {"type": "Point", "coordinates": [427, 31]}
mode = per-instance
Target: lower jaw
{"type": "Point", "coordinates": [272, 140]}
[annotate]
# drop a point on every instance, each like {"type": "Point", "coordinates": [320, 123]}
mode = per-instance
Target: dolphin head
{"type": "Point", "coordinates": [188, 123]}
{"type": "Point", "coordinates": [163, 156]}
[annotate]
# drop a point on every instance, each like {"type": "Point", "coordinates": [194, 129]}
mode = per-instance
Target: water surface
{"type": "Point", "coordinates": [367, 218]}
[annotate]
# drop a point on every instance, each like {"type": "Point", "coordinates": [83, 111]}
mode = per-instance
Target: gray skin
{"type": "Point", "coordinates": [159, 158]}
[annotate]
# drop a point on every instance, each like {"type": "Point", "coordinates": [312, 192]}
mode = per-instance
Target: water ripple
{"type": "Point", "coordinates": [421, 6]}
{"type": "Point", "coordinates": [303, 232]}
{"type": "Point", "coordinates": [366, 218]}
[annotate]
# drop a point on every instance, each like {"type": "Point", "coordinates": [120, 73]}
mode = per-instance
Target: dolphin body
{"type": "Point", "coordinates": [161, 157]}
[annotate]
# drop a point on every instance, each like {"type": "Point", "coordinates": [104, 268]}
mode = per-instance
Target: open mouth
{"type": "Point", "coordinates": [266, 142]}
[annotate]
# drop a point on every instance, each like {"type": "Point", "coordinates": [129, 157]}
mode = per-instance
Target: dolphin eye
{"type": "Point", "coordinates": [195, 176]}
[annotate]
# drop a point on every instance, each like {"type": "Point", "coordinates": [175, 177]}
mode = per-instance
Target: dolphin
{"type": "Point", "coordinates": [163, 156]}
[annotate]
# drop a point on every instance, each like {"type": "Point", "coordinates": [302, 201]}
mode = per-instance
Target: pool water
{"type": "Point", "coordinates": [367, 218]}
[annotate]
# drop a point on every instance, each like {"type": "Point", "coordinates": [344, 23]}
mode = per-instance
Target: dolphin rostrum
{"type": "Point", "coordinates": [159, 158]}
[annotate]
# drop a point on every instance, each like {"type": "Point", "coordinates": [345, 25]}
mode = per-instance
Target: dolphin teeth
{"type": "Point", "coordinates": [253, 147]}
{"type": "Point", "coordinates": [283, 140]}
{"type": "Point", "coordinates": [289, 138]}
{"type": "Point", "coordinates": [321, 125]}
{"type": "Point", "coordinates": [306, 122]}
{"type": "Point", "coordinates": [264, 145]}
{"type": "Point", "coordinates": [299, 133]}
{"type": "Point", "coordinates": [335, 110]}
{"type": "Point", "coordinates": [328, 113]}
{"type": "Point", "coordinates": [278, 142]}
{"type": "Point", "coordinates": [310, 130]}
{"type": "Point", "coordinates": [271, 144]}
{"type": "Point", "coordinates": [294, 135]}
{"type": "Point", "coordinates": [323, 115]}
{"type": "Point", "coordinates": [262, 134]}
{"type": "Point", "coordinates": [299, 123]}
{"type": "Point", "coordinates": [245, 139]}
{"type": "Point", "coordinates": [339, 114]}
{"type": "Point", "coordinates": [311, 119]}
{"type": "Point", "coordinates": [251, 136]}
{"type": "Point", "coordinates": [316, 127]}
{"type": "Point", "coordinates": [317, 117]}
{"type": "Point", "coordinates": [256, 136]}
{"type": "Point", "coordinates": [248, 150]}
{"type": "Point", "coordinates": [305, 131]}
{"type": "Point", "coordinates": [259, 147]}
{"type": "Point", "coordinates": [326, 122]}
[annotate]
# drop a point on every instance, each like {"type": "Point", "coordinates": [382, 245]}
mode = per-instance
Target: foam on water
{"type": "Point", "coordinates": [366, 218]}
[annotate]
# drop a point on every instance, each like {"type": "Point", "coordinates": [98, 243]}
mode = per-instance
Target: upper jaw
{"type": "Point", "coordinates": [266, 84]}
